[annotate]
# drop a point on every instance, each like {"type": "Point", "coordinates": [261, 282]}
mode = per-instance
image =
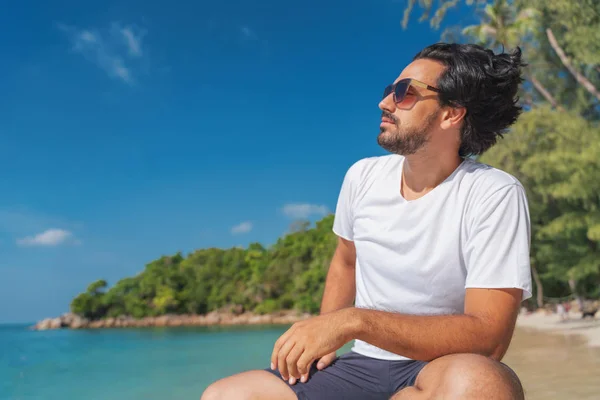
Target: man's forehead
{"type": "Point", "coordinates": [424, 70]}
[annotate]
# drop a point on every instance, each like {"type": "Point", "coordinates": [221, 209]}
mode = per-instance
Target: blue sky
{"type": "Point", "coordinates": [131, 130]}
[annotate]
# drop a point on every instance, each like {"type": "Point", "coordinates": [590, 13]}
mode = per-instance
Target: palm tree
{"type": "Point", "coordinates": [583, 81]}
{"type": "Point", "coordinates": [510, 24]}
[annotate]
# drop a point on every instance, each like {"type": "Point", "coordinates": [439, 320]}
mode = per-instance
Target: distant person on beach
{"type": "Point", "coordinates": [567, 305]}
{"type": "Point", "coordinates": [560, 309]}
{"type": "Point", "coordinates": [432, 261]}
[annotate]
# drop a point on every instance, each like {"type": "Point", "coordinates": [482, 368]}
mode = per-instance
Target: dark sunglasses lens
{"type": "Point", "coordinates": [400, 91]}
{"type": "Point", "coordinates": [387, 91]}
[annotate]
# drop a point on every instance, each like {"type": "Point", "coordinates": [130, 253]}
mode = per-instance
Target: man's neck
{"type": "Point", "coordinates": [422, 172]}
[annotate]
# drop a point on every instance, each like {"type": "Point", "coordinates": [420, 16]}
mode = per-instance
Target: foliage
{"type": "Point", "coordinates": [289, 275]}
{"type": "Point", "coordinates": [440, 11]}
{"type": "Point", "coordinates": [91, 303]}
{"type": "Point", "coordinates": [577, 23]}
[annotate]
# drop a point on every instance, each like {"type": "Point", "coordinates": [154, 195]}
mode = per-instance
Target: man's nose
{"type": "Point", "coordinates": [387, 103]}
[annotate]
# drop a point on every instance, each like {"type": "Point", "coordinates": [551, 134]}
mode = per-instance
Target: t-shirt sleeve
{"type": "Point", "coordinates": [343, 222]}
{"type": "Point", "coordinates": [497, 250]}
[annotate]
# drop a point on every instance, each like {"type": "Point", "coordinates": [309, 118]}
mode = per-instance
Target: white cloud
{"type": "Point", "coordinates": [87, 36]}
{"type": "Point", "coordinates": [248, 33]}
{"type": "Point", "coordinates": [50, 237]}
{"type": "Point", "coordinates": [110, 50]}
{"type": "Point", "coordinates": [133, 41]}
{"type": "Point", "coordinates": [304, 210]}
{"type": "Point", "coordinates": [243, 227]}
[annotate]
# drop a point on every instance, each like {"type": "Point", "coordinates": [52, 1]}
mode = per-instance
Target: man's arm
{"type": "Point", "coordinates": [338, 296]}
{"type": "Point", "coordinates": [340, 286]}
{"type": "Point", "coordinates": [486, 327]}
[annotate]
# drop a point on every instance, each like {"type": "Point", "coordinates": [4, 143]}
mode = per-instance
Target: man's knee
{"type": "Point", "coordinates": [251, 385]}
{"type": "Point", "coordinates": [233, 387]}
{"type": "Point", "coordinates": [470, 376]}
{"type": "Point", "coordinates": [475, 375]}
{"type": "Point", "coordinates": [211, 393]}
{"type": "Point", "coordinates": [219, 390]}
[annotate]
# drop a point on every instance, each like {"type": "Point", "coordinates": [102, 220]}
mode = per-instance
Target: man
{"type": "Point", "coordinates": [433, 254]}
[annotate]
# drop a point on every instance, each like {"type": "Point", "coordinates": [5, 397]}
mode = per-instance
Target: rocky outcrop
{"type": "Point", "coordinates": [68, 320]}
{"type": "Point", "coordinates": [233, 316]}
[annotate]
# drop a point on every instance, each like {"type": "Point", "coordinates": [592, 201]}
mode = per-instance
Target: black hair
{"type": "Point", "coordinates": [486, 84]}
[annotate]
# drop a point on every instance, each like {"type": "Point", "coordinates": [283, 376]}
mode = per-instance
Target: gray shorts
{"type": "Point", "coordinates": [353, 376]}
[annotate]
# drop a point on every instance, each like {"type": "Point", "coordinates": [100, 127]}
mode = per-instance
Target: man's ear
{"type": "Point", "coordinates": [453, 116]}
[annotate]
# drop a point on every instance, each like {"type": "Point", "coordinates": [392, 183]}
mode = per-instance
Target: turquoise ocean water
{"type": "Point", "coordinates": [124, 363]}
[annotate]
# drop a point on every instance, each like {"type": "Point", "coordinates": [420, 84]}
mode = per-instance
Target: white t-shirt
{"type": "Point", "coordinates": [418, 257]}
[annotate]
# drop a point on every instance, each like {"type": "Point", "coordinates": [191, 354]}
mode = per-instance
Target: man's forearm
{"type": "Point", "coordinates": [425, 337]}
{"type": "Point", "coordinates": [340, 287]}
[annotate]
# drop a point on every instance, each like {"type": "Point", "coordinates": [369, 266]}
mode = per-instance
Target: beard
{"type": "Point", "coordinates": [405, 141]}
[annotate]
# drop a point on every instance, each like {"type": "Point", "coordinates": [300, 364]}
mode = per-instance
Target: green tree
{"type": "Point", "coordinates": [91, 304]}
{"type": "Point", "coordinates": [573, 31]}
{"type": "Point", "coordinates": [97, 288]}
{"type": "Point", "coordinates": [555, 156]}
{"type": "Point", "coordinates": [288, 275]}
{"type": "Point", "coordinates": [427, 6]}
{"type": "Point", "coordinates": [508, 24]}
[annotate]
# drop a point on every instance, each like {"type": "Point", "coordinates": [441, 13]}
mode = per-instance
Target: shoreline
{"type": "Point", "coordinates": [215, 318]}
{"type": "Point", "coordinates": [551, 323]}
{"type": "Point", "coordinates": [537, 321]}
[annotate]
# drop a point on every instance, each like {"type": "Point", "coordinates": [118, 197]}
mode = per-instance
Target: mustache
{"type": "Point", "coordinates": [388, 115]}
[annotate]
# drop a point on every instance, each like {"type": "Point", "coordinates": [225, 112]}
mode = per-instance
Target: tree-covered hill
{"type": "Point", "coordinates": [289, 275]}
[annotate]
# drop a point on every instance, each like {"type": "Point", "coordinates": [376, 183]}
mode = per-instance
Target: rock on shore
{"type": "Point", "coordinates": [68, 320]}
{"type": "Point", "coordinates": [73, 321]}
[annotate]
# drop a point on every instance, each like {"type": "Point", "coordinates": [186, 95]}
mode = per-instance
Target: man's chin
{"type": "Point", "coordinates": [385, 142]}
{"type": "Point", "coordinates": [385, 134]}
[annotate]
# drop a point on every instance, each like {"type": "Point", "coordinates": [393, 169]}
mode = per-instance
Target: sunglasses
{"type": "Point", "coordinates": [400, 91]}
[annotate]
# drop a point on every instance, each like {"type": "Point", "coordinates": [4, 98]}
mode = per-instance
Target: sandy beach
{"type": "Point", "coordinates": [552, 323]}
{"type": "Point", "coordinates": [556, 359]}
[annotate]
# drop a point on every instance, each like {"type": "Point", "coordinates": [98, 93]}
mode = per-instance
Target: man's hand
{"type": "Point", "coordinates": [306, 341]}
{"type": "Point", "coordinates": [325, 361]}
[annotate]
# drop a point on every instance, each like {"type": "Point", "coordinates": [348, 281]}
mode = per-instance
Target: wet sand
{"type": "Point", "coordinates": [575, 325]}
{"type": "Point", "coordinates": [555, 365]}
